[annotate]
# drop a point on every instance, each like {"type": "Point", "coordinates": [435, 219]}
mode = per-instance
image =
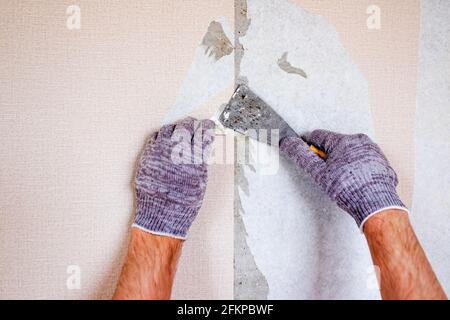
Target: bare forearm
{"type": "Point", "coordinates": [405, 272]}
{"type": "Point", "coordinates": [149, 268]}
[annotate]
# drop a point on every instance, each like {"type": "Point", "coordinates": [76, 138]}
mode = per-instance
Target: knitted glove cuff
{"type": "Point", "coordinates": [163, 217]}
{"type": "Point", "coordinates": [374, 198]}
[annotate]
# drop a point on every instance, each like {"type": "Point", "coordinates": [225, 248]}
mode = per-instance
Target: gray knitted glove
{"type": "Point", "coordinates": [171, 177]}
{"type": "Point", "coordinates": [355, 174]}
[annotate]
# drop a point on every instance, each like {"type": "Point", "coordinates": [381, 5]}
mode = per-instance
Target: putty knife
{"type": "Point", "coordinates": [248, 114]}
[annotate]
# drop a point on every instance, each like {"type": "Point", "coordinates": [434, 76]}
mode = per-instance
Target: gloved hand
{"type": "Point", "coordinates": [171, 177]}
{"type": "Point", "coordinates": [355, 174]}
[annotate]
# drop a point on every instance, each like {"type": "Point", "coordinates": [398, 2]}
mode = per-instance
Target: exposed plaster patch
{"type": "Point", "coordinates": [216, 42]}
{"type": "Point", "coordinates": [242, 23]}
{"type": "Point", "coordinates": [287, 67]}
{"type": "Point", "coordinates": [249, 282]}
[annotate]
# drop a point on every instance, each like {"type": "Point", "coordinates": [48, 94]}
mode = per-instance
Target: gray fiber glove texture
{"type": "Point", "coordinates": [171, 177]}
{"type": "Point", "coordinates": [355, 173]}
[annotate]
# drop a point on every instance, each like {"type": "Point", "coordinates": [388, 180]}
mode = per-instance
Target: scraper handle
{"type": "Point", "coordinates": [317, 151]}
{"type": "Point", "coordinates": [287, 131]}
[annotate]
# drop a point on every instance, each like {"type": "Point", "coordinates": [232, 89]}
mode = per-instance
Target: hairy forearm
{"type": "Point", "coordinates": [149, 268]}
{"type": "Point", "coordinates": [405, 272]}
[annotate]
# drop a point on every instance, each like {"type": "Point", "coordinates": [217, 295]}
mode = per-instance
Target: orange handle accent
{"type": "Point", "coordinates": [317, 151]}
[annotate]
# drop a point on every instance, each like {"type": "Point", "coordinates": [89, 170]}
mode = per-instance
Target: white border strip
{"type": "Point", "coordinates": [361, 227]}
{"type": "Point", "coordinates": [164, 234]}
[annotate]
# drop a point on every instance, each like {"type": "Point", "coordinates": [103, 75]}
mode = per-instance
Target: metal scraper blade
{"type": "Point", "coordinates": [248, 114]}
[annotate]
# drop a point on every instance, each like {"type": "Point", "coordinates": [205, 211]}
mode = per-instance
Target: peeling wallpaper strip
{"type": "Point", "coordinates": [211, 71]}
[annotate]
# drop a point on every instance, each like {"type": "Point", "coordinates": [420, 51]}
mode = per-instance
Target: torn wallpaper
{"type": "Point", "coordinates": [431, 202]}
{"type": "Point", "coordinates": [304, 246]}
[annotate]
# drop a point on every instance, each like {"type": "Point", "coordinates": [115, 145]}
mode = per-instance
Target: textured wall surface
{"type": "Point", "coordinates": [76, 107]}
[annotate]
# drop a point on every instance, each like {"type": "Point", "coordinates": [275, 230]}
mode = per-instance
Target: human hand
{"type": "Point", "coordinates": [355, 174]}
{"type": "Point", "coordinates": [171, 177]}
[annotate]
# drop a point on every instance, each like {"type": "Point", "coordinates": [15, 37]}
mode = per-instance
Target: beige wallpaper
{"type": "Point", "coordinates": [76, 106]}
